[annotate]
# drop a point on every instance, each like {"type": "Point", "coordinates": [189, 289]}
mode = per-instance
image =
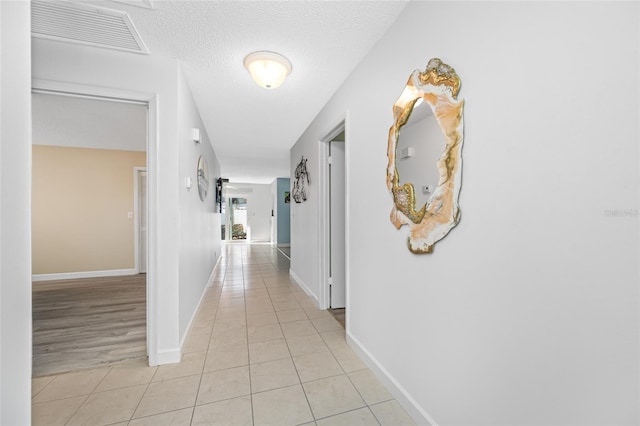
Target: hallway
{"type": "Point", "coordinates": [258, 353]}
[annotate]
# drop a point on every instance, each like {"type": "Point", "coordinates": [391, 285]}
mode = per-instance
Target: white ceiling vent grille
{"type": "Point", "coordinates": [78, 23]}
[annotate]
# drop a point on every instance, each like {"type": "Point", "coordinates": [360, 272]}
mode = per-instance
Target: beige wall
{"type": "Point", "coordinates": [81, 198]}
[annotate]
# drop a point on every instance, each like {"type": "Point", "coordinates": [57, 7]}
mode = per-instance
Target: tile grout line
{"type": "Point", "coordinates": [86, 396]}
{"type": "Point", "coordinates": [204, 363]}
{"type": "Point", "coordinates": [304, 392]}
{"type": "Point", "coordinates": [144, 393]}
{"type": "Point", "coordinates": [246, 320]}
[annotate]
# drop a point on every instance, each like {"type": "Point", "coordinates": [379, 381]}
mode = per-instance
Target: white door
{"type": "Point", "coordinates": [142, 222]}
{"type": "Point", "coordinates": [337, 275]}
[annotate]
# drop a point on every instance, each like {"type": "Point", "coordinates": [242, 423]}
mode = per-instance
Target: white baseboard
{"type": "Point", "coordinates": [304, 287]}
{"type": "Point", "coordinates": [195, 312]}
{"type": "Point", "coordinates": [411, 406]}
{"type": "Point", "coordinates": [213, 272]}
{"type": "Point", "coordinates": [85, 274]}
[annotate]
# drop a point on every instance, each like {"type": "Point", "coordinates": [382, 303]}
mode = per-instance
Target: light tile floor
{"type": "Point", "coordinates": [259, 353]}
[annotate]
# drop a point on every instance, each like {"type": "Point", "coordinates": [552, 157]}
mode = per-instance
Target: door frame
{"type": "Point", "coordinates": [340, 125]}
{"type": "Point", "coordinates": [136, 214]}
{"type": "Point", "coordinates": [151, 100]}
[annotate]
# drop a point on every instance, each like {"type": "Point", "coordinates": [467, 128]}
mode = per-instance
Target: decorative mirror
{"type": "Point", "coordinates": [203, 178]}
{"type": "Point", "coordinates": [425, 156]}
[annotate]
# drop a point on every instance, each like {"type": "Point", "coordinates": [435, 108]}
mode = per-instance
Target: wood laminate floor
{"type": "Point", "coordinates": [86, 323]}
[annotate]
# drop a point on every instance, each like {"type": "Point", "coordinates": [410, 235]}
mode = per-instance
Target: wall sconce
{"type": "Point", "coordinates": [268, 69]}
{"type": "Point", "coordinates": [195, 135]}
{"type": "Point", "coordinates": [408, 152]}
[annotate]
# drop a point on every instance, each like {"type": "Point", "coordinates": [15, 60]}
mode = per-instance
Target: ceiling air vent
{"type": "Point", "coordinates": [79, 23]}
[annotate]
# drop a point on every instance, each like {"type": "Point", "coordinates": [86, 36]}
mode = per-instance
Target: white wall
{"type": "Point", "coordinates": [258, 208]}
{"type": "Point", "coordinates": [304, 221]}
{"type": "Point", "coordinates": [527, 312]}
{"type": "Point", "coordinates": [94, 123]}
{"type": "Point", "coordinates": [199, 221]}
{"type": "Point", "coordinates": [15, 213]}
{"type": "Point", "coordinates": [159, 78]}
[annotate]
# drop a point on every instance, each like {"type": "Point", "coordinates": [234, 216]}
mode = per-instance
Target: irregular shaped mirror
{"type": "Point", "coordinates": [425, 163]}
{"type": "Point", "coordinates": [203, 178]}
{"type": "Point", "coordinates": [419, 147]}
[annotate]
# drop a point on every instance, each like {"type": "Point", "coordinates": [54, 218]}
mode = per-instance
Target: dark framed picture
{"type": "Point", "coordinates": [287, 197]}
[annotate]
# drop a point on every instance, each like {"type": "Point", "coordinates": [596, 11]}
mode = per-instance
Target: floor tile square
{"type": "Point", "coordinates": [264, 333]}
{"type": "Point", "coordinates": [222, 324]}
{"type": "Point", "coordinates": [259, 308]}
{"type": "Point", "coordinates": [169, 395]}
{"type": "Point", "coordinates": [223, 357]}
{"type": "Point", "coordinates": [370, 388]}
{"type": "Point", "coordinates": [191, 363]}
{"type": "Point", "coordinates": [334, 338]}
{"type": "Point", "coordinates": [125, 375]}
{"type": "Point", "coordinates": [236, 412]}
{"type": "Point", "coordinates": [305, 345]}
{"type": "Point", "coordinates": [261, 318]}
{"type": "Point", "coordinates": [228, 337]}
{"type": "Point", "coordinates": [108, 407]}
{"type": "Point", "coordinates": [268, 351]}
{"type": "Point", "coordinates": [284, 406]}
{"type": "Point", "coordinates": [360, 417]}
{"type": "Point", "coordinates": [197, 342]}
{"type": "Point", "coordinates": [332, 396]}
{"type": "Point", "coordinates": [391, 413]}
{"type": "Point", "coordinates": [231, 301]}
{"type": "Point", "coordinates": [326, 324]}
{"type": "Point", "coordinates": [286, 305]}
{"type": "Point", "coordinates": [317, 366]}
{"type": "Point", "coordinates": [71, 384]}
{"type": "Point", "coordinates": [291, 315]}
{"type": "Point", "coordinates": [348, 359]}
{"type": "Point", "coordinates": [298, 328]}
{"type": "Point", "coordinates": [314, 312]}
{"type": "Point", "coordinates": [273, 374]}
{"type": "Point", "coordinates": [224, 384]}
{"type": "Point", "coordinates": [54, 413]}
{"type": "Point", "coordinates": [172, 418]}
{"type": "Point", "coordinates": [254, 284]}
{"type": "Point", "coordinates": [231, 313]}
{"type": "Point", "coordinates": [39, 383]}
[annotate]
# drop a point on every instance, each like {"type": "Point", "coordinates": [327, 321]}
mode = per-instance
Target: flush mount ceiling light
{"type": "Point", "coordinates": [268, 69]}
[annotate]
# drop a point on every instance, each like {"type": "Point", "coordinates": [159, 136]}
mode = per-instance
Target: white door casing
{"type": "Point", "coordinates": [337, 265]}
{"type": "Point", "coordinates": [140, 215]}
{"type": "Point", "coordinates": [151, 100]}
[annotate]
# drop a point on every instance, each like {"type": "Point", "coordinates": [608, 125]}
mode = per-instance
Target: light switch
{"type": "Point", "coordinates": [130, 215]}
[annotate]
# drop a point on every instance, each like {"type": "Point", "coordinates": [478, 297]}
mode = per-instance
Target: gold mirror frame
{"type": "Point", "coordinates": [438, 86]}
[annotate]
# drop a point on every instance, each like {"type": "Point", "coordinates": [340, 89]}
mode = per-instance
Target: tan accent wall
{"type": "Point", "coordinates": [81, 199]}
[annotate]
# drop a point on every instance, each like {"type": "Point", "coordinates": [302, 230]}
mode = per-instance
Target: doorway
{"type": "Point", "coordinates": [238, 223]}
{"type": "Point", "coordinates": [234, 218]}
{"type": "Point", "coordinates": [333, 228]}
{"type": "Point", "coordinates": [337, 276]}
{"type": "Point", "coordinates": [89, 225]}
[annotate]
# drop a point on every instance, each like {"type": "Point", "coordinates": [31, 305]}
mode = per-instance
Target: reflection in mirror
{"type": "Point", "coordinates": [424, 172]}
{"type": "Point", "coordinates": [420, 145]}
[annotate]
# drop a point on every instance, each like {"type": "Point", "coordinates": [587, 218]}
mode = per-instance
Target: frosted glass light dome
{"type": "Point", "coordinates": [268, 69]}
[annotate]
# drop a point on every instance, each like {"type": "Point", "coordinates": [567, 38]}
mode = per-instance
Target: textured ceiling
{"type": "Point", "coordinates": [252, 129]}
